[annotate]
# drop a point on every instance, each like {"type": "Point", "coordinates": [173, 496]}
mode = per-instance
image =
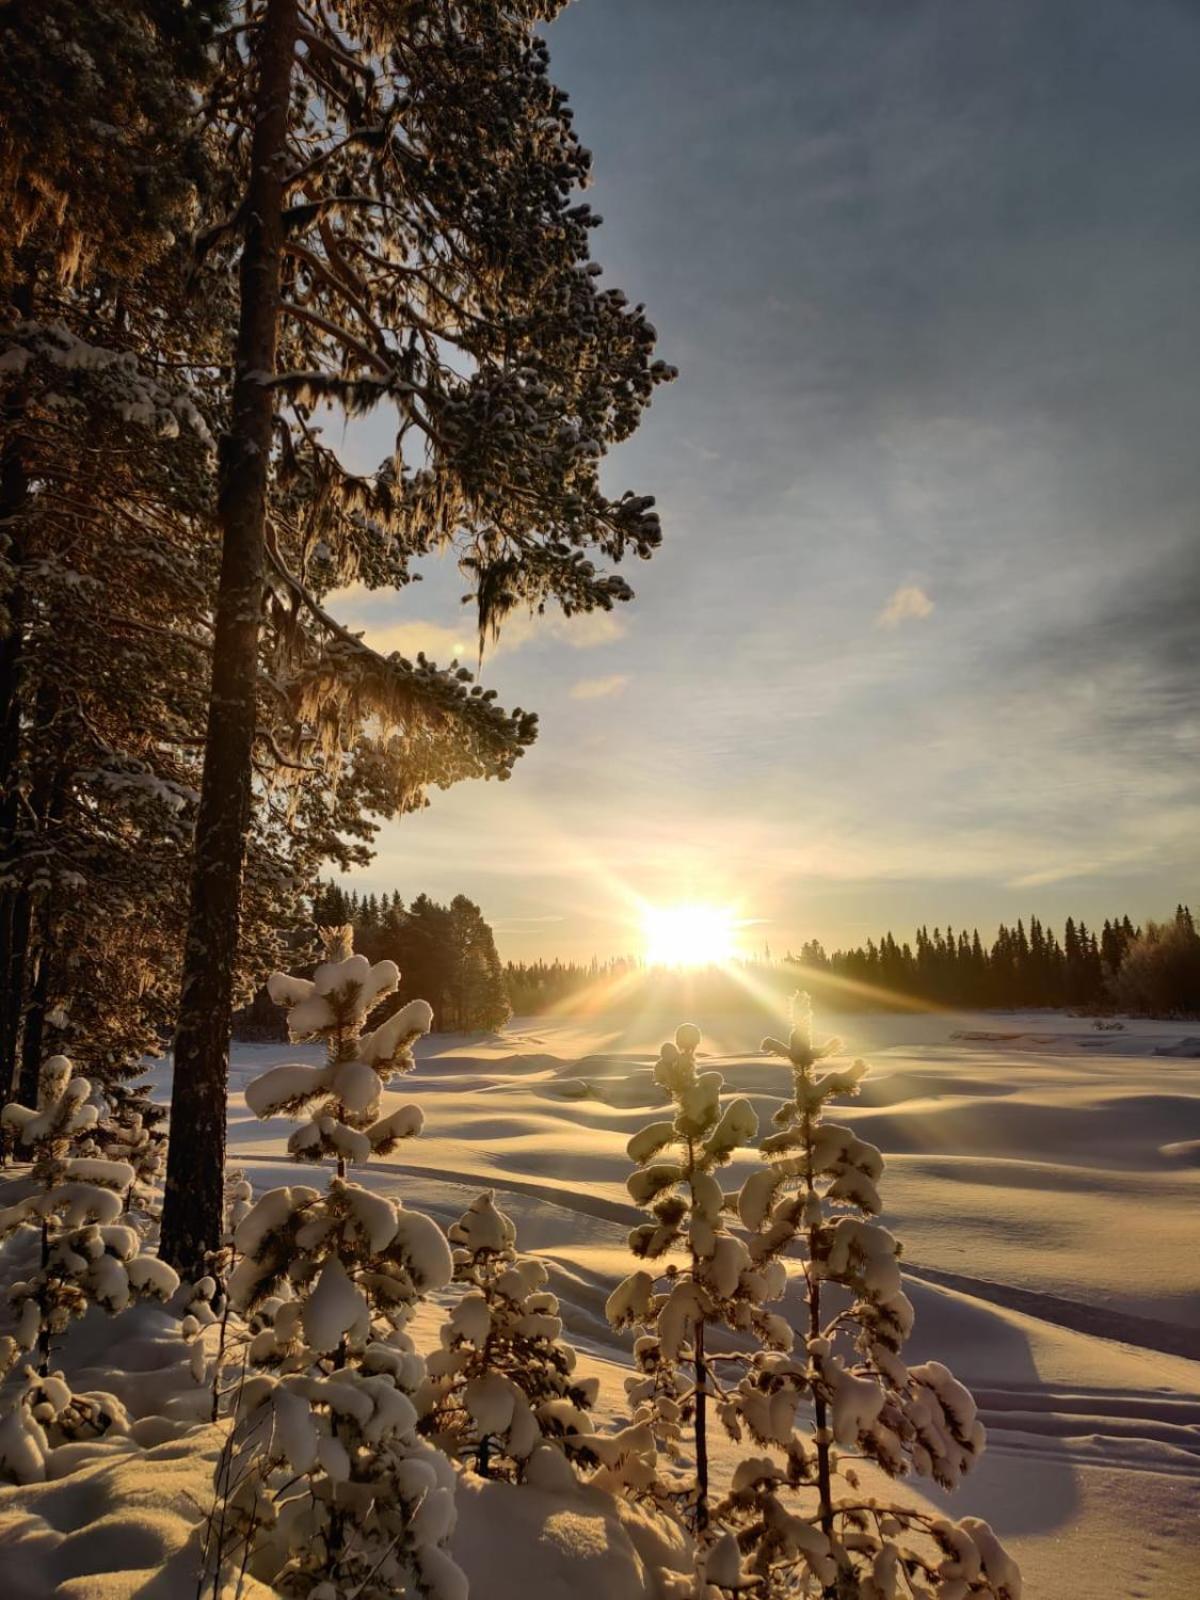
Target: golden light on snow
{"type": "Point", "coordinates": [688, 935]}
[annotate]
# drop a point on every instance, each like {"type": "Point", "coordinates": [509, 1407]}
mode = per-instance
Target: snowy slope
{"type": "Point", "coordinates": [1035, 1176]}
{"type": "Point", "coordinates": [1050, 1238]}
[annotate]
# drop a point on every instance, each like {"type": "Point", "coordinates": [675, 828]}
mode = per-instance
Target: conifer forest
{"type": "Point", "coordinates": [494, 635]}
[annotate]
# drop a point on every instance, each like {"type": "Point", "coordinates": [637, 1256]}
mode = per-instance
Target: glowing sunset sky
{"type": "Point", "coordinates": [921, 642]}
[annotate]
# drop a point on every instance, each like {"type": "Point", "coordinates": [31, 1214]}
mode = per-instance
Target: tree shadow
{"type": "Point", "coordinates": [1026, 1482]}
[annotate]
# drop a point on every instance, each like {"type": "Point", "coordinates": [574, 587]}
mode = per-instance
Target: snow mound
{"type": "Point", "coordinates": [514, 1542]}
{"type": "Point", "coordinates": [121, 1523]}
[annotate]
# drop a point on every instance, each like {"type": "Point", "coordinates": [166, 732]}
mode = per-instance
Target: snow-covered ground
{"type": "Point", "coordinates": [1043, 1177]}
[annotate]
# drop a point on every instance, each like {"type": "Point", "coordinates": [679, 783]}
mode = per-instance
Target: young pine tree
{"type": "Point", "coordinates": [130, 1129]}
{"type": "Point", "coordinates": [87, 1253]}
{"type": "Point", "coordinates": [502, 1388]}
{"type": "Point", "coordinates": [717, 1284]}
{"type": "Point", "coordinates": [807, 1525]}
{"type": "Point", "coordinates": [339, 1494]}
{"type": "Point", "coordinates": [342, 1098]}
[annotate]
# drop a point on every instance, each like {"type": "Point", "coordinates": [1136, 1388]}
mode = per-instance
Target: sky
{"type": "Point", "coordinates": [921, 643]}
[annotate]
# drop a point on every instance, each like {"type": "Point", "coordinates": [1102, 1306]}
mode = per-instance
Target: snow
{"type": "Point", "coordinates": [285, 1085]}
{"type": "Point", "coordinates": [375, 1215]}
{"type": "Point", "coordinates": [471, 1320]}
{"type": "Point", "coordinates": [334, 1309]}
{"type": "Point", "coordinates": [295, 1429]}
{"type": "Point", "coordinates": [1049, 1257]}
{"type": "Point", "coordinates": [490, 1401]}
{"type": "Point", "coordinates": [723, 1564]}
{"type": "Point", "coordinates": [400, 1029]}
{"type": "Point", "coordinates": [424, 1247]}
{"type": "Point", "coordinates": [516, 1543]}
{"type": "Point", "coordinates": [856, 1405]}
{"type": "Point", "coordinates": [630, 1300]}
{"type": "Point", "coordinates": [1027, 1166]}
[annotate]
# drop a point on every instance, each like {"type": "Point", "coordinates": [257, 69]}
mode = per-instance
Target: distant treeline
{"type": "Point", "coordinates": [537, 986]}
{"type": "Point", "coordinates": [1152, 970]}
{"type": "Point", "coordinates": [446, 955]}
{"type": "Point", "coordinates": [1155, 968]}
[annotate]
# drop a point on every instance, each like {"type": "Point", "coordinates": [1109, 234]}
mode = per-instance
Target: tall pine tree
{"type": "Point", "coordinates": [402, 216]}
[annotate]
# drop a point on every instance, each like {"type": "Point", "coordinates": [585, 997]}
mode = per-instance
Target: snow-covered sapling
{"type": "Point", "coordinates": [83, 1252]}
{"type": "Point", "coordinates": [342, 1098]}
{"type": "Point", "coordinates": [87, 1252]}
{"type": "Point", "coordinates": [335, 1487]}
{"type": "Point", "coordinates": [806, 1521]}
{"type": "Point", "coordinates": [502, 1389]}
{"type": "Point", "coordinates": [717, 1284]}
{"type": "Point", "coordinates": [47, 1412]}
{"type": "Point", "coordinates": [131, 1129]}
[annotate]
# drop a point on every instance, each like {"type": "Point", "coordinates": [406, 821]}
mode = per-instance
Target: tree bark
{"type": "Point", "coordinates": [700, 1367]}
{"type": "Point", "coordinates": [14, 486]}
{"type": "Point", "coordinates": [16, 916]}
{"type": "Point", "coordinates": [34, 1031]}
{"type": "Point", "coordinates": [820, 1410]}
{"type": "Point", "coordinates": [701, 1429]}
{"type": "Point", "coordinates": [40, 939]}
{"type": "Point", "coordinates": [191, 1225]}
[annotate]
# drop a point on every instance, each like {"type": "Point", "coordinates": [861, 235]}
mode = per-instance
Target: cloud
{"type": "Point", "coordinates": [909, 604]}
{"type": "Point", "coordinates": [587, 631]}
{"type": "Point", "coordinates": [439, 643]}
{"type": "Point", "coordinates": [599, 688]}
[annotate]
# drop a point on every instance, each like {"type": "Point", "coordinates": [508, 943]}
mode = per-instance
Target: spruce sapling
{"type": "Point", "coordinates": [717, 1284]}
{"type": "Point", "coordinates": [87, 1254]}
{"type": "Point", "coordinates": [130, 1129]}
{"type": "Point", "coordinates": [340, 1494]}
{"type": "Point", "coordinates": [807, 1525]}
{"type": "Point", "coordinates": [502, 1388]}
{"type": "Point", "coordinates": [342, 1098]}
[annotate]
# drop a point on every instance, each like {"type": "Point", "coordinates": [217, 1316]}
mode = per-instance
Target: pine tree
{"type": "Point", "coordinates": [1159, 973]}
{"type": "Point", "coordinates": [477, 981]}
{"type": "Point", "coordinates": [130, 1129]}
{"type": "Point", "coordinates": [807, 1520]}
{"type": "Point", "coordinates": [335, 1487]}
{"type": "Point", "coordinates": [88, 1254]}
{"type": "Point", "coordinates": [93, 451]}
{"type": "Point", "coordinates": [502, 1389]}
{"type": "Point", "coordinates": [96, 751]}
{"type": "Point", "coordinates": [375, 143]}
{"type": "Point", "coordinates": [342, 1098]}
{"type": "Point", "coordinates": [717, 1285]}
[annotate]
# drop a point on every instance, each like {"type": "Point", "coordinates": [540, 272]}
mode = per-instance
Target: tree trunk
{"type": "Point", "coordinates": [34, 1030]}
{"type": "Point", "coordinates": [701, 1374]}
{"type": "Point", "coordinates": [820, 1410]}
{"type": "Point", "coordinates": [47, 802]}
{"type": "Point", "coordinates": [191, 1225]}
{"type": "Point", "coordinates": [14, 486]}
{"type": "Point", "coordinates": [701, 1430]}
{"type": "Point", "coordinates": [821, 1418]}
{"type": "Point", "coordinates": [15, 920]}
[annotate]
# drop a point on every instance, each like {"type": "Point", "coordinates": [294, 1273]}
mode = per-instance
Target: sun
{"type": "Point", "coordinates": [688, 935]}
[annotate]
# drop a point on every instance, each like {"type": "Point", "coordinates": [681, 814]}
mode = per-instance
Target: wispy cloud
{"type": "Point", "coordinates": [599, 688]}
{"type": "Point", "coordinates": [910, 603]}
{"type": "Point", "coordinates": [437, 641]}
